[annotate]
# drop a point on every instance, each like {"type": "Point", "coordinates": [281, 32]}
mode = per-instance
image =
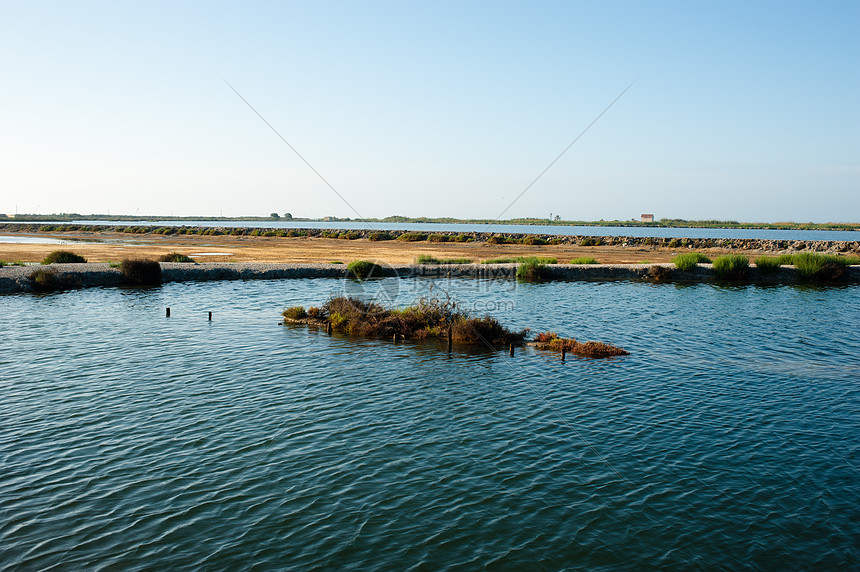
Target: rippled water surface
{"type": "Point", "coordinates": [728, 438]}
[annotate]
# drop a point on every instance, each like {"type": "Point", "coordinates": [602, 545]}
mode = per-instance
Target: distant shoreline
{"type": "Point", "coordinates": [661, 223]}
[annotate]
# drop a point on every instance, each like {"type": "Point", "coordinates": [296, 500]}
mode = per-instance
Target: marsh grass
{"type": "Point", "coordinates": [689, 260]}
{"type": "Point", "coordinates": [584, 260]}
{"type": "Point", "coordinates": [767, 264]}
{"type": "Point", "coordinates": [551, 341]}
{"type": "Point", "coordinates": [732, 266]}
{"type": "Point", "coordinates": [428, 318]}
{"type": "Point", "coordinates": [141, 272]}
{"type": "Point", "coordinates": [176, 257]}
{"type": "Point", "coordinates": [295, 313]}
{"type": "Point", "coordinates": [659, 273]}
{"type": "Point", "coordinates": [427, 259]}
{"type": "Point", "coordinates": [532, 269]}
{"type": "Point", "coordinates": [821, 267]}
{"type": "Point", "coordinates": [63, 257]}
{"type": "Point", "coordinates": [590, 242]}
{"type": "Point", "coordinates": [521, 259]}
{"type": "Point", "coordinates": [379, 236]}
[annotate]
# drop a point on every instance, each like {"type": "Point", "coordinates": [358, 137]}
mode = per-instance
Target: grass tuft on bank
{"type": "Point", "coordinates": [177, 257]}
{"type": "Point", "coordinates": [689, 260]}
{"type": "Point", "coordinates": [63, 257]}
{"type": "Point", "coordinates": [731, 266]}
{"type": "Point", "coordinates": [141, 272]}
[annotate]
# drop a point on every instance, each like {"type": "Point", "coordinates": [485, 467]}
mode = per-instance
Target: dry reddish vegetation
{"type": "Point", "coordinates": [432, 318]}
{"type": "Point", "coordinates": [551, 341]}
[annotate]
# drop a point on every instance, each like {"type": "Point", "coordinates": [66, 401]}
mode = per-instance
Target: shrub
{"type": "Point", "coordinates": [584, 260]}
{"type": "Point", "coordinates": [270, 233]}
{"type": "Point", "coordinates": [412, 237]}
{"type": "Point", "coordinates": [295, 313]}
{"type": "Point", "coordinates": [349, 235]}
{"type": "Point", "coordinates": [378, 236]}
{"type": "Point", "coordinates": [674, 243]}
{"type": "Point", "coordinates": [294, 233]}
{"type": "Point", "coordinates": [731, 266]}
{"type": "Point", "coordinates": [175, 257]}
{"type": "Point", "coordinates": [63, 257]}
{"type": "Point", "coordinates": [462, 238]}
{"type": "Point", "coordinates": [141, 271]}
{"type": "Point", "coordinates": [43, 280]}
{"type": "Point", "coordinates": [315, 313]}
{"type": "Point", "coordinates": [767, 264]}
{"type": "Point", "coordinates": [362, 269]}
{"type": "Point", "coordinates": [689, 260]}
{"type": "Point", "coordinates": [534, 240]}
{"type": "Point", "coordinates": [427, 318]}
{"type": "Point", "coordinates": [501, 239]}
{"type": "Point", "coordinates": [438, 238]}
{"type": "Point", "coordinates": [590, 242]}
{"type": "Point", "coordinates": [659, 273]}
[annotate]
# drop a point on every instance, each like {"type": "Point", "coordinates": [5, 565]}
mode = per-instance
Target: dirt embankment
{"type": "Point", "coordinates": [106, 246]}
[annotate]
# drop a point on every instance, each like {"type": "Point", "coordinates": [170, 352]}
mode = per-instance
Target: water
{"type": "Point", "coordinates": [636, 231]}
{"type": "Point", "coordinates": [18, 239]}
{"type": "Point", "coordinates": [727, 439]}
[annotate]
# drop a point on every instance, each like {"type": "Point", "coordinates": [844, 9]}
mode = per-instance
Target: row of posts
{"type": "Point", "coordinates": [167, 314]}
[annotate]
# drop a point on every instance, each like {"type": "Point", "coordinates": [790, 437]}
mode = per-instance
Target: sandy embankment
{"type": "Point", "coordinates": [110, 246]}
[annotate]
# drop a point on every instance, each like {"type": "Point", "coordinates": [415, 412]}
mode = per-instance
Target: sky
{"type": "Point", "coordinates": [743, 111]}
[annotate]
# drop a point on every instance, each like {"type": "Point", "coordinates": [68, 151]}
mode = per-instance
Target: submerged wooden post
{"type": "Point", "coordinates": [328, 328]}
{"type": "Point", "coordinates": [563, 352]}
{"type": "Point", "coordinates": [210, 316]}
{"type": "Point", "coordinates": [512, 350]}
{"type": "Point", "coordinates": [167, 313]}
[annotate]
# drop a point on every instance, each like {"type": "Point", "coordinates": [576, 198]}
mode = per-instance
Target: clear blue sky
{"type": "Point", "coordinates": [740, 110]}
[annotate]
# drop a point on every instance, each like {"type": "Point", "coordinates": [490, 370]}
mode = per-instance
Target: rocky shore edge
{"type": "Point", "coordinates": [16, 278]}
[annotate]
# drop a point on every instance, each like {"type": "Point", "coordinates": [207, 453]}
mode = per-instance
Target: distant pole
{"type": "Point", "coordinates": [210, 316]}
{"type": "Point", "coordinates": [563, 352]}
{"type": "Point", "coordinates": [167, 313]}
{"type": "Point", "coordinates": [512, 350]}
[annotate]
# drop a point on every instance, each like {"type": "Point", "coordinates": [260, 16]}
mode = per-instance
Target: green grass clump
{"type": "Point", "coordinates": [141, 271]}
{"type": "Point", "coordinates": [767, 264]}
{"type": "Point", "coordinates": [521, 259]}
{"type": "Point", "coordinates": [502, 239]}
{"type": "Point", "coordinates": [427, 259]}
{"type": "Point", "coordinates": [821, 267]}
{"type": "Point", "coordinates": [378, 236]}
{"type": "Point", "coordinates": [438, 238]}
{"type": "Point", "coordinates": [590, 242]}
{"type": "Point", "coordinates": [351, 235]}
{"type": "Point", "coordinates": [426, 319]}
{"type": "Point", "coordinates": [63, 257]}
{"type": "Point", "coordinates": [362, 270]}
{"type": "Point", "coordinates": [412, 237]}
{"type": "Point", "coordinates": [176, 257]}
{"type": "Point", "coordinates": [295, 313]}
{"type": "Point", "coordinates": [731, 266]}
{"type": "Point", "coordinates": [689, 260]}
{"type": "Point", "coordinates": [44, 280]}
{"type": "Point", "coordinates": [584, 260]}
{"type": "Point", "coordinates": [531, 270]}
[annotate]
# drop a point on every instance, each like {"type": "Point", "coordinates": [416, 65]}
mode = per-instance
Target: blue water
{"type": "Point", "coordinates": [635, 231]}
{"type": "Point", "coordinates": [727, 439]}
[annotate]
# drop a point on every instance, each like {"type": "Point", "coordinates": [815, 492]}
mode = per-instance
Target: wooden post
{"type": "Point", "coordinates": [512, 350]}
{"type": "Point", "coordinates": [328, 328]}
{"type": "Point", "coordinates": [210, 316]}
{"type": "Point", "coordinates": [563, 352]}
{"type": "Point", "coordinates": [167, 313]}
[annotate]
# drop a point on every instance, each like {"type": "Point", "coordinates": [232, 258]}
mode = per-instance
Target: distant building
{"type": "Point", "coordinates": [647, 218]}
